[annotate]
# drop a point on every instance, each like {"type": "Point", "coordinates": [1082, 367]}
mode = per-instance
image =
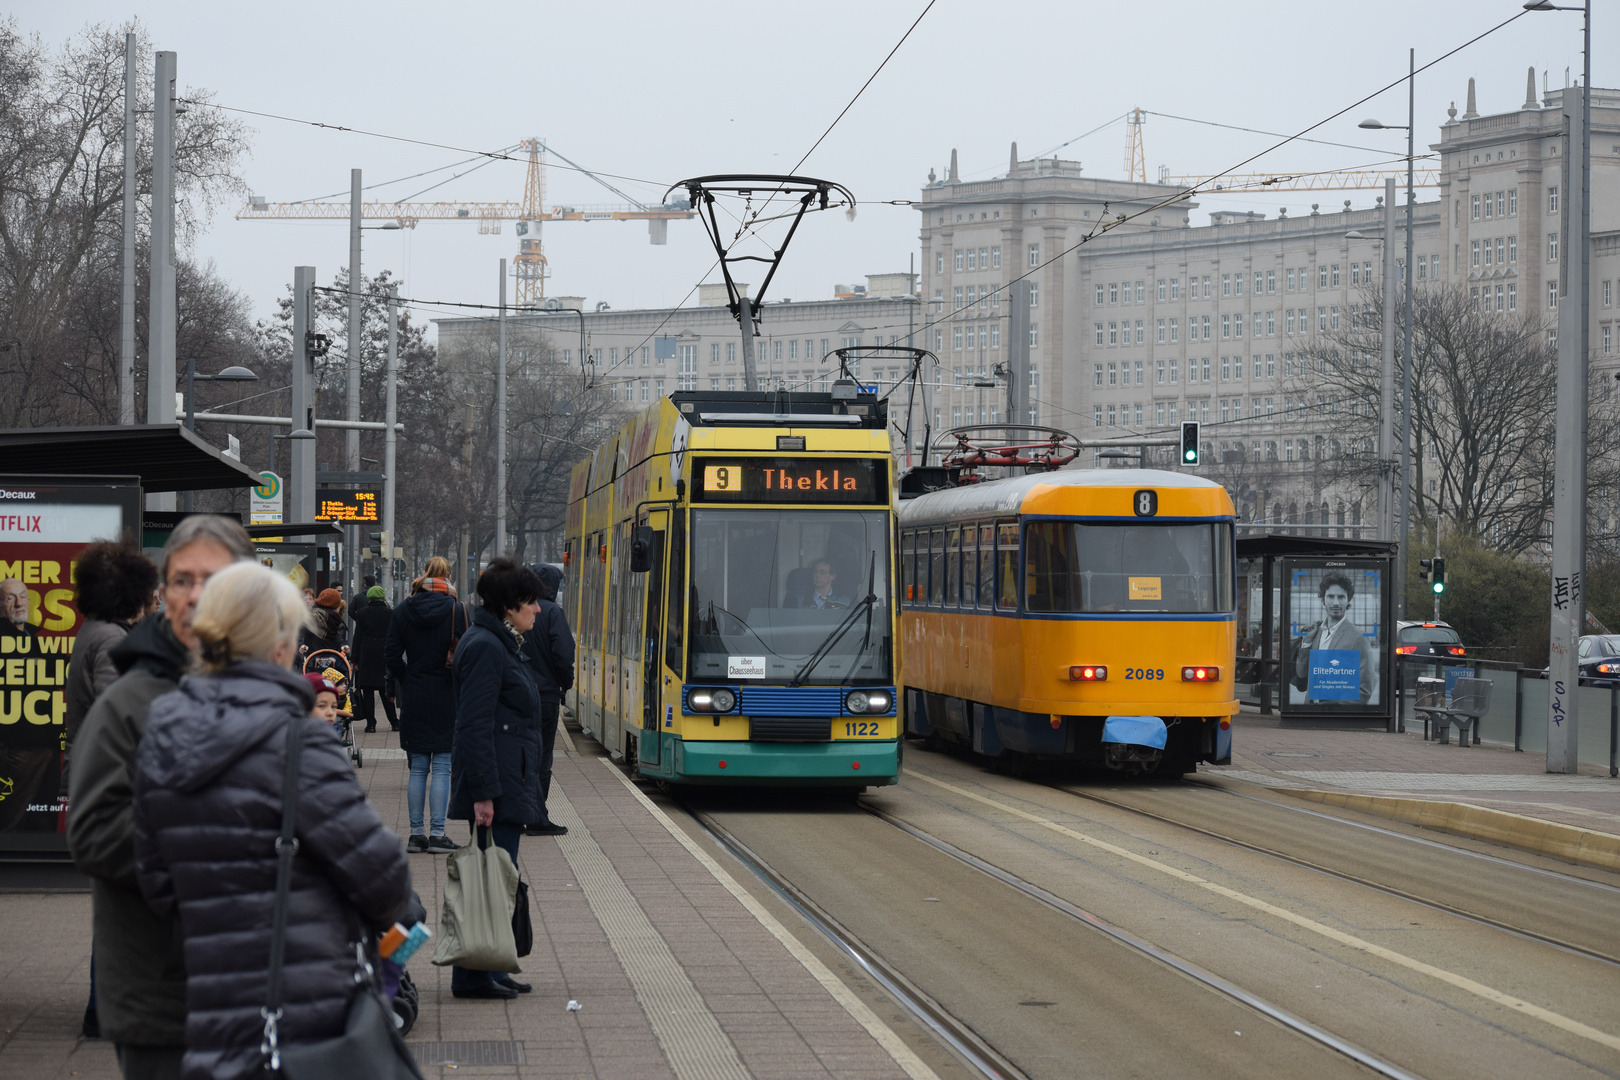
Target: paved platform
{"type": "Point", "coordinates": [677, 969]}
{"type": "Point", "coordinates": [1273, 754]}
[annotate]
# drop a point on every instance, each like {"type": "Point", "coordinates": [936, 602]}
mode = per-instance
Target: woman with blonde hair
{"type": "Point", "coordinates": [422, 635]}
{"type": "Point", "coordinates": [208, 810]}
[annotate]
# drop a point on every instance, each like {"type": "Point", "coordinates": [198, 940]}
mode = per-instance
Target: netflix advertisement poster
{"type": "Point", "coordinates": [45, 522]}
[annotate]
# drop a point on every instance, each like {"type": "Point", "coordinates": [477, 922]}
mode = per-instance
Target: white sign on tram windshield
{"type": "Point", "coordinates": [745, 667]}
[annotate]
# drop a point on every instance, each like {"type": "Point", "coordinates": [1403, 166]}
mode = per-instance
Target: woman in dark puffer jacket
{"type": "Point", "coordinates": [207, 811]}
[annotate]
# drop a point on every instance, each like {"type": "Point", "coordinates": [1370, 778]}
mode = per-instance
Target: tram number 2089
{"type": "Point", "coordinates": [1145, 674]}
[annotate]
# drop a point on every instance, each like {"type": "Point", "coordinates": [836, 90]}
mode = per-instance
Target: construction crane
{"type": "Point", "coordinates": [1135, 154]}
{"type": "Point", "coordinates": [529, 267]}
{"type": "Point", "coordinates": [1331, 180]}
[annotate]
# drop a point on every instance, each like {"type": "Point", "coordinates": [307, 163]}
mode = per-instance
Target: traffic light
{"type": "Point", "coordinates": [1424, 568]}
{"type": "Point", "coordinates": [1189, 442]}
{"type": "Point", "coordinates": [1438, 575]}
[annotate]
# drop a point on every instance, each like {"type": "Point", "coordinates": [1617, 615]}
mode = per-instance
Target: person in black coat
{"type": "Point", "coordinates": [208, 794]}
{"type": "Point", "coordinates": [371, 622]}
{"type": "Point", "coordinates": [495, 765]}
{"type": "Point", "coordinates": [417, 651]}
{"type": "Point", "coordinates": [550, 649]}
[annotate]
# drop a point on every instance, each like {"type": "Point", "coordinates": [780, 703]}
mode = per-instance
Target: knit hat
{"type": "Point", "coordinates": [331, 598]}
{"type": "Point", "coordinates": [375, 593]}
{"type": "Point", "coordinates": [320, 683]}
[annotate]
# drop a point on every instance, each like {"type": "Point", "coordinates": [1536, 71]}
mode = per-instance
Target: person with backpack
{"type": "Point", "coordinates": [550, 649]}
{"type": "Point", "coordinates": [418, 652]}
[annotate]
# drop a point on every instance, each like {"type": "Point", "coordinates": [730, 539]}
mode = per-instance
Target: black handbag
{"type": "Point", "coordinates": [371, 1047]}
{"type": "Point", "coordinates": [522, 925]}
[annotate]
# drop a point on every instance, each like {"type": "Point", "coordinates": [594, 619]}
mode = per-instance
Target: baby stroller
{"type": "Point", "coordinates": [337, 667]}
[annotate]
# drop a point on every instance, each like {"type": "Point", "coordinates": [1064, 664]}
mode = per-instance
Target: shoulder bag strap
{"type": "Point", "coordinates": [286, 848]}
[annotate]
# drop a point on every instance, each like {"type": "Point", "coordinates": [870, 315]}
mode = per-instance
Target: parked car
{"type": "Point", "coordinates": [1427, 639]}
{"type": "Point", "coordinates": [1600, 659]}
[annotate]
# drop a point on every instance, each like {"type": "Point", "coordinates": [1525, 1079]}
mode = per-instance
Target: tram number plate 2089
{"type": "Point", "coordinates": [1145, 674]}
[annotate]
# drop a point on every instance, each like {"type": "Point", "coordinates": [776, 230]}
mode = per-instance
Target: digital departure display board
{"type": "Point", "coordinates": [795, 480]}
{"type": "Point", "coordinates": [347, 504]}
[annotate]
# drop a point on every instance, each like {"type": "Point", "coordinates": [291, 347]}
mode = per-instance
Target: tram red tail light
{"type": "Point", "coordinates": [1088, 672]}
{"type": "Point", "coordinates": [1200, 673]}
{"type": "Point", "coordinates": [1226, 724]}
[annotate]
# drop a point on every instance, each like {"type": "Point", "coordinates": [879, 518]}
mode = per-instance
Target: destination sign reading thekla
{"type": "Point", "coordinates": [761, 479]}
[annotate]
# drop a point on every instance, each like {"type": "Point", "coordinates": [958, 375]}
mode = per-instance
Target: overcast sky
{"type": "Point", "coordinates": [664, 91]}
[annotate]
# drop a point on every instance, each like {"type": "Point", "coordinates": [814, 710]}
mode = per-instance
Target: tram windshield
{"type": "Point", "coordinates": [1081, 568]}
{"type": "Point", "coordinates": [770, 588]}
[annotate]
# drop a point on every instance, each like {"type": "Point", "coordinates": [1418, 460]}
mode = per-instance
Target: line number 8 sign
{"type": "Point", "coordinates": [1146, 503]}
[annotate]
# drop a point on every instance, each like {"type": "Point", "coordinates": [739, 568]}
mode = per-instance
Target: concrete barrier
{"type": "Point", "coordinates": [1569, 843]}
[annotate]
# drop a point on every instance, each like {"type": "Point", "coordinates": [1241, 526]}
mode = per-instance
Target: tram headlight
{"type": "Point", "coordinates": [868, 701]}
{"type": "Point", "coordinates": [705, 700]}
{"type": "Point", "coordinates": [1200, 673]}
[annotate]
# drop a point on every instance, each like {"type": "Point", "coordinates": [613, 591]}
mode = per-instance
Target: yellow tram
{"type": "Point", "coordinates": [729, 563]}
{"type": "Point", "coordinates": [1082, 615]}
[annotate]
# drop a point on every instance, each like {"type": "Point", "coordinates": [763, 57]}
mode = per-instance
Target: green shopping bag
{"type": "Point", "coordinates": [475, 931]}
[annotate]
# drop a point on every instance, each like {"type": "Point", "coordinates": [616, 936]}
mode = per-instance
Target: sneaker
{"type": "Point", "coordinates": [545, 829]}
{"type": "Point", "coordinates": [416, 844]}
{"type": "Point", "coordinates": [437, 844]}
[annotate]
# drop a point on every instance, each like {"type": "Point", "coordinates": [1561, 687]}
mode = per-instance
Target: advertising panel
{"type": "Point", "coordinates": [45, 522]}
{"type": "Point", "coordinates": [1335, 617]}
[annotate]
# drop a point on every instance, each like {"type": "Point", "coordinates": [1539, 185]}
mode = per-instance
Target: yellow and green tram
{"type": "Point", "coordinates": [1084, 615]}
{"type": "Point", "coordinates": [729, 567]}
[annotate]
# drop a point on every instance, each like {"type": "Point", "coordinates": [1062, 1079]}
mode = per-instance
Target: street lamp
{"type": "Point", "coordinates": [1386, 369]}
{"type": "Point", "coordinates": [1404, 507]}
{"type": "Point", "coordinates": [1569, 452]}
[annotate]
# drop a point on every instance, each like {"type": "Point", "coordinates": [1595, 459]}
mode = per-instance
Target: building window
{"type": "Point", "coordinates": [1113, 292]}
{"type": "Point", "coordinates": [1173, 364]}
{"type": "Point", "coordinates": [1335, 275]}
{"type": "Point", "coordinates": [995, 257]}
{"type": "Point", "coordinates": [1159, 328]}
{"type": "Point", "coordinates": [1113, 333]}
{"type": "Point", "coordinates": [1141, 332]}
{"type": "Point", "coordinates": [1206, 369]}
{"type": "Point", "coordinates": [1175, 330]}
{"type": "Point", "coordinates": [1097, 370]}
{"type": "Point", "coordinates": [1422, 269]}
{"type": "Point", "coordinates": [1139, 377]}
{"type": "Point", "coordinates": [995, 335]}
{"type": "Point", "coordinates": [1552, 247]}
{"type": "Point", "coordinates": [1226, 326]}
{"type": "Point", "coordinates": [1271, 366]}
{"type": "Point", "coordinates": [1175, 291]}
{"type": "Point", "coordinates": [1552, 296]}
{"type": "Point", "coordinates": [1034, 335]}
{"type": "Point", "coordinates": [1608, 343]}
{"type": "Point", "coordinates": [956, 338]}
{"type": "Point", "coordinates": [1226, 284]}
{"type": "Point", "coordinates": [1355, 274]}
{"type": "Point", "coordinates": [1552, 200]}
{"type": "Point", "coordinates": [1321, 318]}
{"type": "Point", "coordinates": [1161, 288]}
{"type": "Point", "coordinates": [1288, 320]}
{"type": "Point", "coordinates": [1271, 282]}
{"type": "Point", "coordinates": [1206, 320]}
{"type": "Point", "coordinates": [1099, 328]}
{"type": "Point", "coordinates": [1487, 253]}
{"type": "Point", "coordinates": [1333, 318]}
{"type": "Point", "coordinates": [1513, 251]}
{"type": "Point", "coordinates": [1500, 299]}
{"type": "Point", "coordinates": [1237, 325]}
{"type": "Point", "coordinates": [1475, 214]}
{"type": "Point", "coordinates": [972, 259]}
{"type": "Point", "coordinates": [1226, 368]}
{"type": "Point", "coordinates": [1112, 381]}
{"type": "Point", "coordinates": [1290, 274]}
{"type": "Point", "coordinates": [1034, 254]}
{"type": "Point", "coordinates": [1034, 295]}
{"type": "Point", "coordinates": [1237, 283]}
{"type": "Point", "coordinates": [1271, 324]}
{"type": "Point", "coordinates": [1111, 412]}
{"type": "Point", "coordinates": [1141, 294]}
{"type": "Point", "coordinates": [1174, 406]}
{"type": "Point", "coordinates": [1321, 277]}
{"type": "Point", "coordinates": [1513, 297]}
{"type": "Point", "coordinates": [956, 298]}
{"type": "Point", "coordinates": [1513, 202]}
{"type": "Point", "coordinates": [1159, 365]}
{"type": "Point", "coordinates": [1608, 295]}
{"type": "Point", "coordinates": [1096, 416]}
{"type": "Point", "coordinates": [939, 262]}
{"type": "Point", "coordinates": [1099, 293]}
{"type": "Point", "coordinates": [1488, 202]}
{"type": "Point", "coordinates": [959, 256]}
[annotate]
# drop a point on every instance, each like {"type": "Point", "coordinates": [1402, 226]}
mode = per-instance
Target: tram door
{"type": "Point", "coordinates": [648, 744]}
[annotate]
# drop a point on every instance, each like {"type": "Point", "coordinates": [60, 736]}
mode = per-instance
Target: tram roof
{"type": "Point", "coordinates": [1007, 496]}
{"type": "Point", "coordinates": [779, 408]}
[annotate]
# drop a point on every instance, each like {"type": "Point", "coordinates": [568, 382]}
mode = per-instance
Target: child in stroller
{"type": "Point", "coordinates": [335, 667]}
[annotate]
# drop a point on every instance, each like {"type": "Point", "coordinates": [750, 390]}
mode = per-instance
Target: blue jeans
{"type": "Point", "coordinates": [416, 791]}
{"type": "Point", "coordinates": [507, 837]}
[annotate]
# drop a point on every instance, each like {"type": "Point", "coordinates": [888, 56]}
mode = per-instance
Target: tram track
{"type": "Point", "coordinates": [1197, 974]}
{"type": "Point", "coordinates": [1387, 890]}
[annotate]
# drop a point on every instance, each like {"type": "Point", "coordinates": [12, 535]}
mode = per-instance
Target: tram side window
{"type": "Point", "coordinates": [953, 567]}
{"type": "Point", "coordinates": [987, 567]}
{"type": "Point", "coordinates": [909, 565]}
{"type": "Point", "coordinates": [676, 625]}
{"type": "Point", "coordinates": [936, 567]}
{"type": "Point", "coordinates": [1007, 567]}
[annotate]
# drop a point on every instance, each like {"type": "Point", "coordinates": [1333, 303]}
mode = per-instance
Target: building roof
{"type": "Point", "coordinates": [166, 457]}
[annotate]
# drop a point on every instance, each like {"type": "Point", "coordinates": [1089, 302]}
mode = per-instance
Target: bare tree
{"type": "Point", "coordinates": [1482, 418]}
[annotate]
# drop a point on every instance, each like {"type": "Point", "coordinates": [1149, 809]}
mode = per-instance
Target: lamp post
{"type": "Point", "coordinates": [1403, 503]}
{"type": "Point", "coordinates": [1386, 380]}
{"type": "Point", "coordinates": [1569, 453]}
{"type": "Point", "coordinates": [234, 373]}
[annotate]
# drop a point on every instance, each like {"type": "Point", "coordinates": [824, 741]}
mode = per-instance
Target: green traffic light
{"type": "Point", "coordinates": [1439, 587]}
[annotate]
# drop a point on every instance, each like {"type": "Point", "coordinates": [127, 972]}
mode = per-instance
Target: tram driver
{"type": "Point", "coordinates": [821, 594]}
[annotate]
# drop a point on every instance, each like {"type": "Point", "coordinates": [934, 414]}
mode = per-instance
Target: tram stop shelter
{"type": "Point", "coordinates": [166, 457]}
{"type": "Point", "coordinates": [1316, 641]}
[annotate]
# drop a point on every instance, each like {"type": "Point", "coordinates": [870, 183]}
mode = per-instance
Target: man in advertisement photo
{"type": "Point", "coordinates": [1334, 660]}
{"type": "Point", "coordinates": [14, 598]}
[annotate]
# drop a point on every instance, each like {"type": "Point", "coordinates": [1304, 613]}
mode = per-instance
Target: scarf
{"type": "Point", "coordinates": [435, 584]}
{"type": "Point", "coordinates": [517, 635]}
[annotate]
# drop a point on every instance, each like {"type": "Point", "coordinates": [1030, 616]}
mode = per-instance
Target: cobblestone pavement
{"type": "Point", "coordinates": [753, 1009]}
{"type": "Point", "coordinates": [1267, 752]}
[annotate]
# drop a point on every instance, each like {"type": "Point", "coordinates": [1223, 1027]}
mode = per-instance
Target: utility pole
{"type": "Point", "coordinates": [351, 438]}
{"type": "Point", "coordinates": [1404, 508]}
{"type": "Point", "coordinates": [500, 421]}
{"type": "Point", "coordinates": [1569, 455]}
{"type": "Point", "coordinates": [301, 466]}
{"type": "Point", "coordinates": [1386, 383]}
{"type": "Point", "coordinates": [126, 333]}
{"type": "Point", "coordinates": [746, 319]}
{"type": "Point", "coordinates": [390, 417]}
{"type": "Point", "coordinates": [160, 311]}
{"type": "Point", "coordinates": [1017, 354]}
